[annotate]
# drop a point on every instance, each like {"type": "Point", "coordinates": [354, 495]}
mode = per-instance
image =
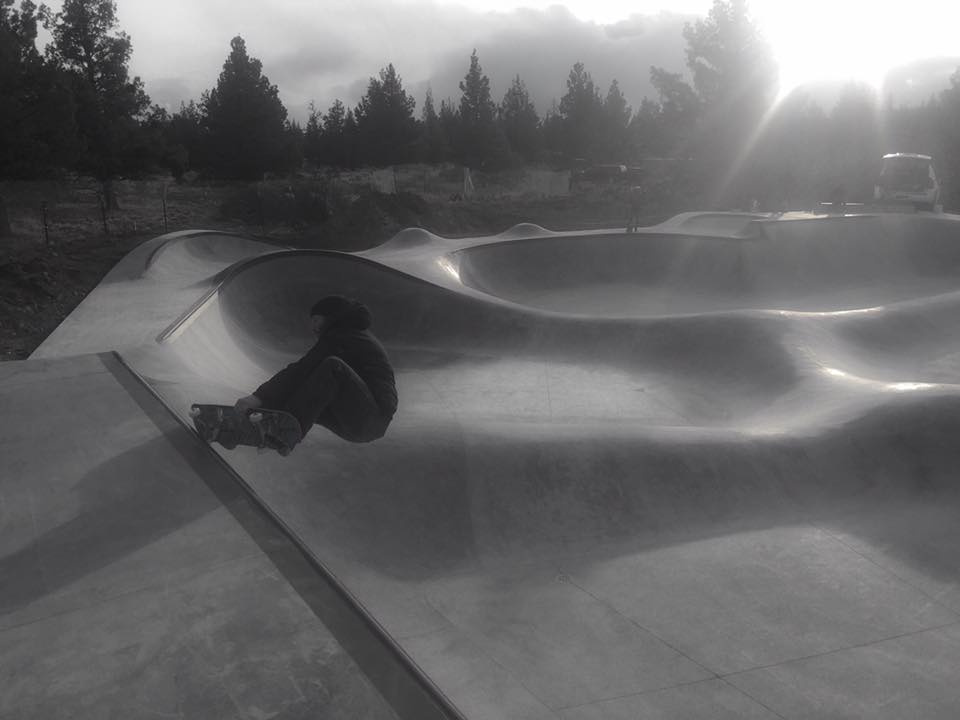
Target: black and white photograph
{"type": "Point", "coordinates": [479, 360]}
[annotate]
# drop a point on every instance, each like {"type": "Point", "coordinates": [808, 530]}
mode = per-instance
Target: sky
{"type": "Point", "coordinates": [323, 50]}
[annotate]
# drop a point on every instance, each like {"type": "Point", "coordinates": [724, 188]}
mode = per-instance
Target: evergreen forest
{"type": "Point", "coordinates": [717, 130]}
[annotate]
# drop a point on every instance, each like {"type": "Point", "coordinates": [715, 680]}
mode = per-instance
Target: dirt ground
{"type": "Point", "coordinates": [63, 243]}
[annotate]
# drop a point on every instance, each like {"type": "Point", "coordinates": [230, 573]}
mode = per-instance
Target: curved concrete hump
{"type": "Point", "coordinates": [408, 238]}
{"type": "Point", "coordinates": [525, 230]}
{"type": "Point", "coordinates": [719, 224]}
{"type": "Point", "coordinates": [190, 257]}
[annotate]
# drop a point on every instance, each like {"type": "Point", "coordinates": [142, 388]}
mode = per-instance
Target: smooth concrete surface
{"type": "Point", "coordinates": [704, 470]}
{"type": "Point", "coordinates": [132, 587]}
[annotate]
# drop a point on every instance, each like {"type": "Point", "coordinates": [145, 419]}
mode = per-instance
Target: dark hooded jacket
{"type": "Point", "coordinates": [346, 336]}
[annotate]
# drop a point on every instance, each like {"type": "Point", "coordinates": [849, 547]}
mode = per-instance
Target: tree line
{"type": "Point", "coordinates": [720, 136]}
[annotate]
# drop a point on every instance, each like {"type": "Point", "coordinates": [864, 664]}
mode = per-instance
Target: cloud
{"type": "Point", "coordinates": [303, 69]}
{"type": "Point", "coordinates": [639, 26]}
{"type": "Point", "coordinates": [322, 52]}
{"type": "Point", "coordinates": [542, 48]}
{"type": "Point", "coordinates": [329, 51]}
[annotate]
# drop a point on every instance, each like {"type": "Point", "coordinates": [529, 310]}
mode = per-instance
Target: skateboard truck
{"type": "Point", "coordinates": [208, 432]}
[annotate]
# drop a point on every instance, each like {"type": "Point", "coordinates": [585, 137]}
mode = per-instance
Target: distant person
{"type": "Point", "coordinates": [345, 382]}
{"type": "Point", "coordinates": [634, 205]}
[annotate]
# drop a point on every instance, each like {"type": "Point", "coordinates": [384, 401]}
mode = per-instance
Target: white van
{"type": "Point", "coordinates": [908, 178]}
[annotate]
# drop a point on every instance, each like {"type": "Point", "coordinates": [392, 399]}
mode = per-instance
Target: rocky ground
{"type": "Point", "coordinates": [62, 244]}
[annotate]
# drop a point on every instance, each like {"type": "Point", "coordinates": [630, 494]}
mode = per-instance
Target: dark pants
{"type": "Point", "coordinates": [335, 397]}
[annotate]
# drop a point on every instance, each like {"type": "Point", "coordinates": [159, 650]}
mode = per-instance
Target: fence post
{"type": "Point", "coordinates": [263, 220]}
{"type": "Point", "coordinates": [163, 198]}
{"type": "Point", "coordinates": [103, 212]}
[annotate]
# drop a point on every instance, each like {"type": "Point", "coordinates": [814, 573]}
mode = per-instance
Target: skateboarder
{"type": "Point", "coordinates": [345, 381]}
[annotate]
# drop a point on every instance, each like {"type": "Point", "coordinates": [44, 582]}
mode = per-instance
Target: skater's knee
{"type": "Point", "coordinates": [334, 364]}
{"type": "Point", "coordinates": [327, 370]}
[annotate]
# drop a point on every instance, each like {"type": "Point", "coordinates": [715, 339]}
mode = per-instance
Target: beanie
{"type": "Point", "coordinates": [330, 306]}
{"type": "Point", "coordinates": [343, 312]}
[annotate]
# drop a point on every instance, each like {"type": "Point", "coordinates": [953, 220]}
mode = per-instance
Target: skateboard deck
{"type": "Point", "coordinates": [260, 428]}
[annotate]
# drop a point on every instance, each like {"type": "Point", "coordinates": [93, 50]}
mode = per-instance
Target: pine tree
{"type": "Point", "coordinates": [615, 119]}
{"type": "Point", "coordinates": [109, 104]}
{"type": "Point", "coordinates": [552, 133]}
{"type": "Point", "coordinates": [855, 142]}
{"type": "Point", "coordinates": [386, 128]}
{"type": "Point", "coordinates": [294, 137]}
{"type": "Point", "coordinates": [245, 120]}
{"type": "Point", "coordinates": [37, 127]}
{"type": "Point", "coordinates": [732, 65]}
{"type": "Point", "coordinates": [646, 135]}
{"type": "Point", "coordinates": [335, 118]}
{"type": "Point", "coordinates": [478, 133]}
{"type": "Point", "coordinates": [944, 113]}
{"type": "Point", "coordinates": [735, 79]}
{"type": "Point", "coordinates": [186, 140]}
{"type": "Point", "coordinates": [334, 149]}
{"type": "Point", "coordinates": [581, 109]}
{"type": "Point", "coordinates": [351, 134]}
{"type": "Point", "coordinates": [449, 120]}
{"type": "Point", "coordinates": [666, 127]}
{"type": "Point", "coordinates": [313, 136]}
{"type": "Point", "coordinates": [433, 143]}
{"type": "Point", "coordinates": [520, 121]}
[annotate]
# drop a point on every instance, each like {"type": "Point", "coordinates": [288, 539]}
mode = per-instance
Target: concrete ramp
{"type": "Point", "coordinates": [705, 470]}
{"type": "Point", "coordinates": [136, 580]}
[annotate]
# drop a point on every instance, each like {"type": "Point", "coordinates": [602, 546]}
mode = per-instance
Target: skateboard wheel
{"type": "Point", "coordinates": [256, 417]}
{"type": "Point", "coordinates": [194, 412]}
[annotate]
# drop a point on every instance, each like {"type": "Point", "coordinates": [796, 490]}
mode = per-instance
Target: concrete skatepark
{"type": "Point", "coordinates": [704, 470]}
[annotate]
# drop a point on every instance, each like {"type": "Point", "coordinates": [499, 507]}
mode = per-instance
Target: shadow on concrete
{"type": "Point", "coordinates": [134, 500]}
{"type": "Point", "coordinates": [515, 497]}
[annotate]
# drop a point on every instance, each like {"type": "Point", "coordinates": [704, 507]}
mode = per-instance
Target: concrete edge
{"type": "Point", "coordinates": [392, 671]}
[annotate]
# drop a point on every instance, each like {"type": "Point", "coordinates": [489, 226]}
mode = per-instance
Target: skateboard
{"type": "Point", "coordinates": [259, 428]}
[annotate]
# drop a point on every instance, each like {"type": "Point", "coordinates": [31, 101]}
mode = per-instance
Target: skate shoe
{"type": "Point", "coordinates": [207, 428]}
{"type": "Point", "coordinates": [270, 435]}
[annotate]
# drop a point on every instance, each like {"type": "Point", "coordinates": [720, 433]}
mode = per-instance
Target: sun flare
{"type": "Point", "coordinates": [815, 41]}
{"type": "Point", "coordinates": [830, 41]}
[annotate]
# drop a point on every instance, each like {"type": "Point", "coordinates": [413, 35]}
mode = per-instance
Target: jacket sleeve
{"type": "Point", "coordinates": [276, 391]}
